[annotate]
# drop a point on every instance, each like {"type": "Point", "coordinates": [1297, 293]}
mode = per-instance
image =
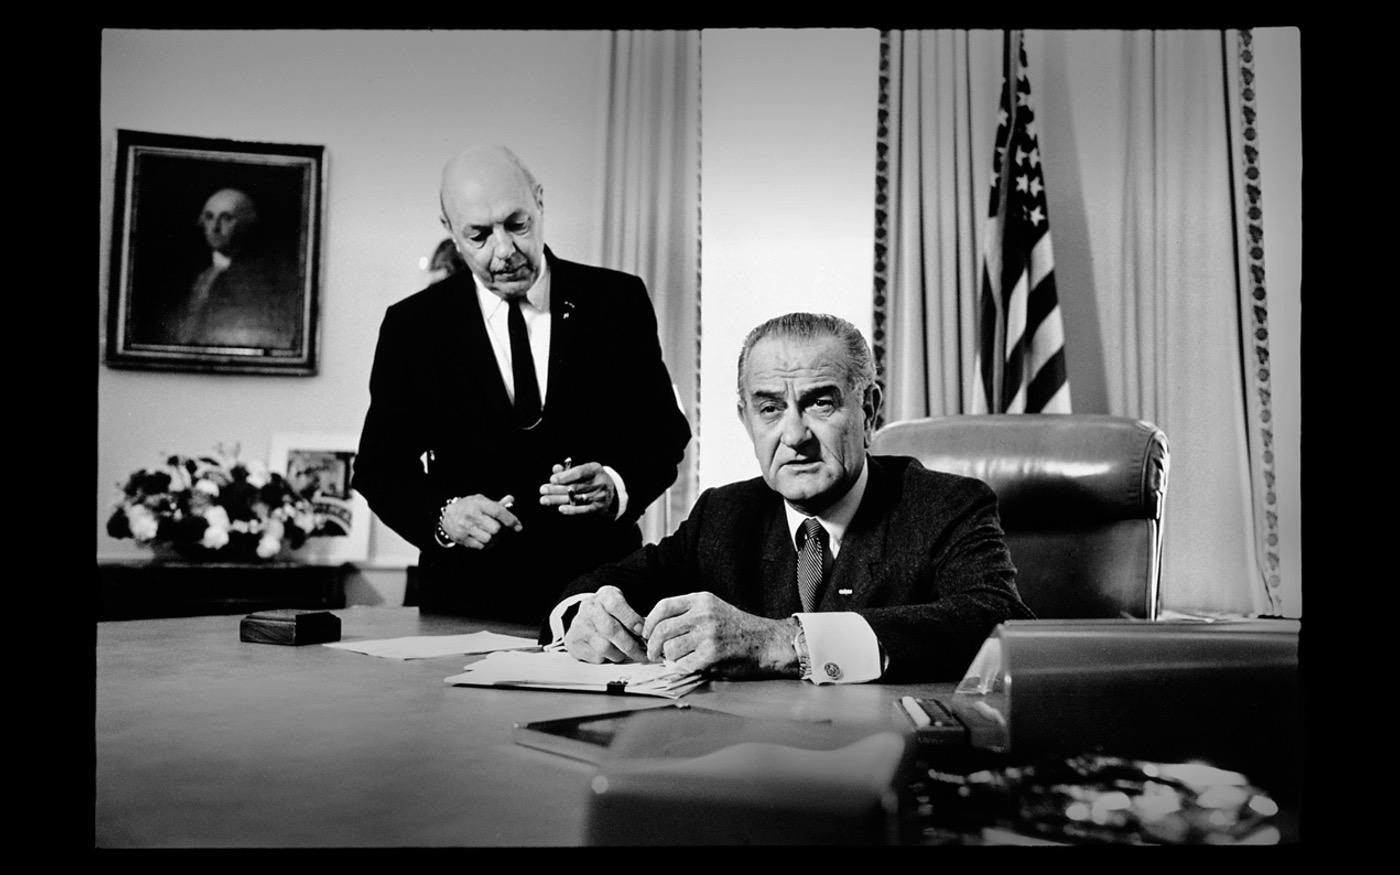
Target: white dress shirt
{"type": "Point", "coordinates": [535, 309]}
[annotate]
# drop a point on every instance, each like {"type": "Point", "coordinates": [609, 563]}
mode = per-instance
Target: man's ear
{"type": "Point", "coordinates": [539, 196]}
{"type": "Point", "coordinates": [870, 406]}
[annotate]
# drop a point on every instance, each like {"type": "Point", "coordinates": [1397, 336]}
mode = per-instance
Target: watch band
{"type": "Point", "coordinates": [440, 535]}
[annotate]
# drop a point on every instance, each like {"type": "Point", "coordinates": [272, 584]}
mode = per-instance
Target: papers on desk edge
{"type": "Point", "coordinates": [428, 646]}
{"type": "Point", "coordinates": [560, 671]}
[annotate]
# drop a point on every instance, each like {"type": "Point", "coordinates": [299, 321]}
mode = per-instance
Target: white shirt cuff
{"type": "Point", "coordinates": [621, 491]}
{"type": "Point", "coordinates": [556, 620]}
{"type": "Point", "coordinates": [842, 646]}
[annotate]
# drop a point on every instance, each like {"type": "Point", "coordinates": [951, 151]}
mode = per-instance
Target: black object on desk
{"type": "Point", "coordinates": [587, 738]}
{"type": "Point", "coordinates": [290, 626]}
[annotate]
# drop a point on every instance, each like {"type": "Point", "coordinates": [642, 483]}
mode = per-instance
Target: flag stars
{"type": "Point", "coordinates": [1035, 186]}
{"type": "Point", "coordinates": [1034, 157]}
{"type": "Point", "coordinates": [1036, 215]}
{"type": "Point", "coordinates": [1002, 117]}
{"type": "Point", "coordinates": [1022, 183]}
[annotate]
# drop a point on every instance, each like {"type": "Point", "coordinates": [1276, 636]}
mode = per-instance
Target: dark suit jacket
{"type": "Point", "coordinates": [436, 392]}
{"type": "Point", "coordinates": [924, 558]}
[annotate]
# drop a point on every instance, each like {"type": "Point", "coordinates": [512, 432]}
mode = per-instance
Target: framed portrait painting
{"type": "Point", "coordinates": [319, 467]}
{"type": "Point", "coordinates": [216, 255]}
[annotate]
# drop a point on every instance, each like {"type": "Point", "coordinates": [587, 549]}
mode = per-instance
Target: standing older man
{"type": "Point", "coordinates": [521, 418]}
{"type": "Point", "coordinates": [834, 565]}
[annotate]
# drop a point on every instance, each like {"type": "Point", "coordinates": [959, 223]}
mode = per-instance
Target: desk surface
{"type": "Point", "coordinates": [206, 741]}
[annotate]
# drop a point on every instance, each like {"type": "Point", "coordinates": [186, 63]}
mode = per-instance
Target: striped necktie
{"type": "Point", "coordinates": [811, 556]}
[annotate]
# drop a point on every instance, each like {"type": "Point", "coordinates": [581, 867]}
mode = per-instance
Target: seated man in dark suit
{"type": "Point", "coordinates": [835, 565]}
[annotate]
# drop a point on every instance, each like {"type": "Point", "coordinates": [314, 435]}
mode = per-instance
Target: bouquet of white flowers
{"type": "Point", "coordinates": [213, 507]}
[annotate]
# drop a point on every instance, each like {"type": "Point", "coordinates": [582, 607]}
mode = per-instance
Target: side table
{"type": "Point", "coordinates": [137, 589]}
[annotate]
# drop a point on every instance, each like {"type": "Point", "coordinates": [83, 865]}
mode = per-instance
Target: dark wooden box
{"type": "Point", "coordinates": [290, 627]}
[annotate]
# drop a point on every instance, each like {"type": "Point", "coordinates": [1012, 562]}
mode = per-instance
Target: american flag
{"type": "Point", "coordinates": [1020, 364]}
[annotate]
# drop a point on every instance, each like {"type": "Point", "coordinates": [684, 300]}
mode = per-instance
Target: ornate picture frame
{"type": "Point", "coordinates": [320, 466]}
{"type": "Point", "coordinates": [216, 255]}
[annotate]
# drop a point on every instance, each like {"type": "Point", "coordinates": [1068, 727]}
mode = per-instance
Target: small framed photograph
{"type": "Point", "coordinates": [319, 467]}
{"type": "Point", "coordinates": [216, 254]}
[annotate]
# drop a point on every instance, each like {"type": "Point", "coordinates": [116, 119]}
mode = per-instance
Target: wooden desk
{"type": "Point", "coordinates": [206, 741]}
{"type": "Point", "coordinates": [164, 588]}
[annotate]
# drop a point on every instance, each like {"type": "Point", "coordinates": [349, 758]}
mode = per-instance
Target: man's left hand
{"type": "Point", "coordinates": [703, 632]}
{"type": "Point", "coordinates": [581, 489]}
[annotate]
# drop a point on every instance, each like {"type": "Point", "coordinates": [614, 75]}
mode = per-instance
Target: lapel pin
{"type": "Point", "coordinates": [843, 592]}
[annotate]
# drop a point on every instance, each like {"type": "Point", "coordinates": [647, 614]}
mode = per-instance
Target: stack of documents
{"type": "Point", "coordinates": [560, 671]}
{"type": "Point", "coordinates": [428, 646]}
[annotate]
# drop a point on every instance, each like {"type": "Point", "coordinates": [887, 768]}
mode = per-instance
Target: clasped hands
{"type": "Point", "coordinates": [477, 522]}
{"type": "Point", "coordinates": [695, 632]}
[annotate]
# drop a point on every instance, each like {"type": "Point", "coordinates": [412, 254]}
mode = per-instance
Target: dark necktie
{"type": "Point", "coordinates": [522, 365]}
{"type": "Point", "coordinates": [810, 558]}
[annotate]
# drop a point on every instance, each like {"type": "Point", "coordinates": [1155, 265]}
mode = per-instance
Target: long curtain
{"type": "Point", "coordinates": [649, 216]}
{"type": "Point", "coordinates": [1138, 131]}
{"type": "Point", "coordinates": [927, 221]}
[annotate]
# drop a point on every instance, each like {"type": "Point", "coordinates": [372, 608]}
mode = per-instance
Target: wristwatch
{"type": "Point", "coordinates": [804, 659]}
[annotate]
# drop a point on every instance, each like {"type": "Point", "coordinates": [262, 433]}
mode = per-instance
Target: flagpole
{"type": "Point", "coordinates": [1010, 52]}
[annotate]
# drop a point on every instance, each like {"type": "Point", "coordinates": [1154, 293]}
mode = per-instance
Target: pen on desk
{"type": "Point", "coordinates": [915, 712]}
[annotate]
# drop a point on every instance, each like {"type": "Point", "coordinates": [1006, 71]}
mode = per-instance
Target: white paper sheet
{"type": "Point", "coordinates": [428, 646]}
{"type": "Point", "coordinates": [560, 671]}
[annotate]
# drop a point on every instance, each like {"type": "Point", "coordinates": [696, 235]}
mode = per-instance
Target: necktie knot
{"type": "Point", "coordinates": [811, 528]}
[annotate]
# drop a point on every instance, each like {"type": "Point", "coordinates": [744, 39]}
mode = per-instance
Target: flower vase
{"type": "Point", "coordinates": [238, 550]}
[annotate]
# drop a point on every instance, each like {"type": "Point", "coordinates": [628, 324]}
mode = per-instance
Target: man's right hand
{"type": "Point", "coordinates": [476, 522]}
{"type": "Point", "coordinates": [606, 629]}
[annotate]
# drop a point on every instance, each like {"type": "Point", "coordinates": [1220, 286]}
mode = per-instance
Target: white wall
{"type": "Point", "coordinates": [391, 108]}
{"type": "Point", "coordinates": [788, 202]}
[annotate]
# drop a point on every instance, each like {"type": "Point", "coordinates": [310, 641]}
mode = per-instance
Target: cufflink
{"type": "Point", "coordinates": [833, 671]}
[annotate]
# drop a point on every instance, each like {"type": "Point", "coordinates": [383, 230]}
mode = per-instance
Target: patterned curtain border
{"type": "Point", "coordinates": [1255, 321]}
{"type": "Point", "coordinates": [699, 251]}
{"type": "Point", "coordinates": [882, 222]}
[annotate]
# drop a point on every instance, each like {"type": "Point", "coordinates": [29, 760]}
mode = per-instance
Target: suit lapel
{"type": "Point", "coordinates": [563, 331]}
{"type": "Point", "coordinates": [857, 572]}
{"type": "Point", "coordinates": [778, 579]}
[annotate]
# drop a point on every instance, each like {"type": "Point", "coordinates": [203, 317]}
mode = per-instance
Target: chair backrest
{"type": "Point", "coordinates": [1080, 497]}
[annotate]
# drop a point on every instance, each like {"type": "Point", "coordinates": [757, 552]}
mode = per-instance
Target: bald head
{"type": "Point", "coordinates": [494, 211]}
{"type": "Point", "coordinates": [227, 217]}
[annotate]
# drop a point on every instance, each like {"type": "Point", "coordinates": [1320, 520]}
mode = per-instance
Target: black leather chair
{"type": "Point", "coordinates": [1080, 496]}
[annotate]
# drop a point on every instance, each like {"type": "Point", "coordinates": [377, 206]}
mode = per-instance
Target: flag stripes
{"type": "Point", "coordinates": [1020, 361]}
